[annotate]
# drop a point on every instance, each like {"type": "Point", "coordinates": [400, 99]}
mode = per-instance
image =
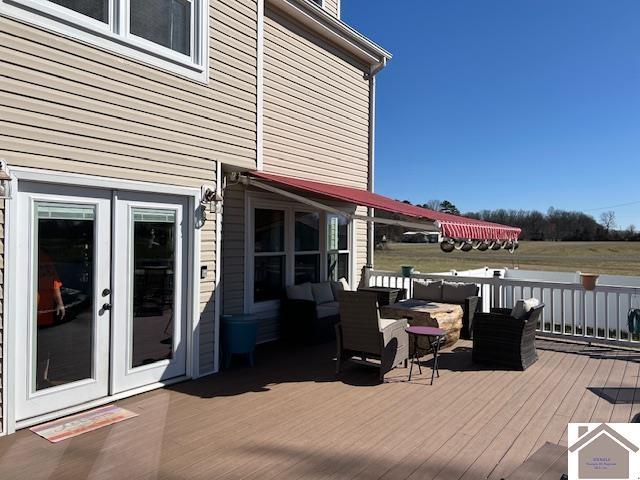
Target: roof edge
{"type": "Point", "coordinates": [333, 29]}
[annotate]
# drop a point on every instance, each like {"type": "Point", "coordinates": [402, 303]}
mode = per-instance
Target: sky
{"type": "Point", "coordinates": [523, 104]}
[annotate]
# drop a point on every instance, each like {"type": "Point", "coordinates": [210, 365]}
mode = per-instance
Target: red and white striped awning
{"type": "Point", "coordinates": [452, 226]}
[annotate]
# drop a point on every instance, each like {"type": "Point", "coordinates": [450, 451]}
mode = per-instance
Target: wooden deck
{"type": "Point", "coordinates": [290, 417]}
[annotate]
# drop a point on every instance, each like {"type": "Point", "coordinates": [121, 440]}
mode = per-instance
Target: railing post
{"type": "Point", "coordinates": [365, 276]}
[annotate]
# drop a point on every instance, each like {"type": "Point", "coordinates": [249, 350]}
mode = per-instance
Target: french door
{"type": "Point", "coordinates": [149, 335]}
{"type": "Point", "coordinates": [103, 311]}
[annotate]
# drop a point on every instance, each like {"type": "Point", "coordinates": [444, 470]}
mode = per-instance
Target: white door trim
{"type": "Point", "coordinates": [28, 401]}
{"type": "Point", "coordinates": [10, 267]}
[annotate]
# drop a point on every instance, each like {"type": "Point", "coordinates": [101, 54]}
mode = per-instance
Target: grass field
{"type": "Point", "coordinates": [618, 258]}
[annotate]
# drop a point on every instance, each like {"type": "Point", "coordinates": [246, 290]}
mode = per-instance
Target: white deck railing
{"type": "Point", "coordinates": [570, 311]}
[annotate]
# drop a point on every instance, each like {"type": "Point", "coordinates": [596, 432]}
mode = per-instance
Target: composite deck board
{"type": "Point", "coordinates": [480, 456]}
{"type": "Point", "coordinates": [292, 417]}
{"type": "Point", "coordinates": [548, 462]}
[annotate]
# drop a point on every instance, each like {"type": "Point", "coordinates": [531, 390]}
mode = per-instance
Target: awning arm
{"type": "Point", "coordinates": [426, 226]}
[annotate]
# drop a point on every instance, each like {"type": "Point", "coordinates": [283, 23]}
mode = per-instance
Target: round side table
{"type": "Point", "coordinates": [435, 336]}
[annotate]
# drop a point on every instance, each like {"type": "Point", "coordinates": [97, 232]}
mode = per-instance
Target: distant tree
{"type": "Point", "coordinates": [608, 220]}
{"type": "Point", "coordinates": [432, 205]}
{"type": "Point", "coordinates": [447, 207]}
{"type": "Point", "coordinates": [630, 233]}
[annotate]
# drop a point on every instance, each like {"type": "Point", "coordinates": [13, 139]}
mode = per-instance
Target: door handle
{"type": "Point", "coordinates": [106, 307]}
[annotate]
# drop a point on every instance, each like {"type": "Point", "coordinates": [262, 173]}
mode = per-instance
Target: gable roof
{"type": "Point", "coordinates": [596, 432]}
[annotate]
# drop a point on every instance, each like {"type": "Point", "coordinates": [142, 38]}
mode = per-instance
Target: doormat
{"type": "Point", "coordinates": [84, 422]}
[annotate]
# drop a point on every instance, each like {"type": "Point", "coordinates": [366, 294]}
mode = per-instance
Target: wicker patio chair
{"type": "Point", "coordinates": [502, 340]}
{"type": "Point", "coordinates": [362, 333]}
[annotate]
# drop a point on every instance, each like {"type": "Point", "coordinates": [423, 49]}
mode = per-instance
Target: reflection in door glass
{"type": "Point", "coordinates": [153, 285]}
{"type": "Point", "coordinates": [64, 263]}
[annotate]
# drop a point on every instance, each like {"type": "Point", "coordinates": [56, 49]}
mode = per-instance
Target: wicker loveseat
{"type": "Point", "coordinates": [463, 294]}
{"type": "Point", "coordinates": [506, 337]}
{"type": "Point", "coordinates": [310, 311]}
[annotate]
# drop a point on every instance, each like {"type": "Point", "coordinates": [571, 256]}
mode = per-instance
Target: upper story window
{"type": "Point", "coordinates": [318, 2]}
{"type": "Point", "coordinates": [170, 34]}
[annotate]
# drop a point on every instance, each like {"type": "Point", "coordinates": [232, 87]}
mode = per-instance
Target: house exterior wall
{"type": "Point", "coordinates": [316, 126]}
{"type": "Point", "coordinates": [333, 7]}
{"type": "Point", "coordinates": [70, 107]}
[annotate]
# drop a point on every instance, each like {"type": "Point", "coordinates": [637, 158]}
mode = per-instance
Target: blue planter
{"type": "Point", "coordinates": [238, 336]}
{"type": "Point", "coordinates": [407, 270]}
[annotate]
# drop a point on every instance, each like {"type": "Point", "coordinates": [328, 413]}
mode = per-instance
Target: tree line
{"type": "Point", "coordinates": [554, 225]}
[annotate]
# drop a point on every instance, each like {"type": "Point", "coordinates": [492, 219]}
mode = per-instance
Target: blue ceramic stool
{"type": "Point", "coordinates": [239, 335]}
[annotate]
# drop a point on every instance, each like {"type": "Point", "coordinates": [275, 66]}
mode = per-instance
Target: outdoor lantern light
{"type": "Point", "coordinates": [481, 245]}
{"type": "Point", "coordinates": [496, 245]}
{"type": "Point", "coordinates": [510, 245]}
{"type": "Point", "coordinates": [465, 245]}
{"type": "Point", "coordinates": [447, 245]}
{"type": "Point", "coordinates": [5, 181]}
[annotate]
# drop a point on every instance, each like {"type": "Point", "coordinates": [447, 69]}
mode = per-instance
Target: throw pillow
{"type": "Point", "coordinates": [428, 291]}
{"type": "Point", "coordinates": [322, 292]}
{"type": "Point", "coordinates": [523, 307]}
{"type": "Point", "coordinates": [458, 292]}
{"type": "Point", "coordinates": [300, 292]}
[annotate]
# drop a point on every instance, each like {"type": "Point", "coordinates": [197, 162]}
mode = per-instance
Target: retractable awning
{"type": "Point", "coordinates": [452, 226]}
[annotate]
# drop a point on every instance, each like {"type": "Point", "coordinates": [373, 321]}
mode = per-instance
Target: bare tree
{"type": "Point", "coordinates": [608, 220]}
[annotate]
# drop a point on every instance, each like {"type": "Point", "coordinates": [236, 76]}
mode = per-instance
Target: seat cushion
{"type": "Point", "coordinates": [330, 309]}
{"type": "Point", "coordinates": [300, 292]}
{"type": "Point", "coordinates": [322, 293]}
{"type": "Point", "coordinates": [431, 291]}
{"type": "Point", "coordinates": [339, 286]}
{"type": "Point", "coordinates": [458, 292]}
{"type": "Point", "coordinates": [385, 322]}
{"type": "Point", "coordinates": [523, 307]}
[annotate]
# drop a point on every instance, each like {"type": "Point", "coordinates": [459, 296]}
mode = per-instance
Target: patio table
{"type": "Point", "coordinates": [428, 314]}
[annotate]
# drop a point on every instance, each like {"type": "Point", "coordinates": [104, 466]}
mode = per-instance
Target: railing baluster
{"type": "Point", "coordinates": [562, 319]}
{"type": "Point", "coordinates": [584, 313]}
{"type": "Point", "coordinates": [552, 307]}
{"type": "Point", "coordinates": [606, 315]}
{"type": "Point", "coordinates": [617, 310]}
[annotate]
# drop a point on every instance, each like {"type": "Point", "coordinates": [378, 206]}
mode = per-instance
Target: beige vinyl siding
{"type": "Point", "coordinates": [332, 7]}
{"type": "Point", "coordinates": [233, 250]}
{"type": "Point", "coordinates": [71, 107]}
{"type": "Point", "coordinates": [316, 109]}
{"type": "Point", "coordinates": [316, 112]}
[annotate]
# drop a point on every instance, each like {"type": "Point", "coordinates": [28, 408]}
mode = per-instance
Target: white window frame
{"type": "Point", "coordinates": [284, 253]}
{"type": "Point", "coordinates": [259, 200]}
{"type": "Point", "coordinates": [115, 36]}
{"type": "Point", "coordinates": [350, 243]}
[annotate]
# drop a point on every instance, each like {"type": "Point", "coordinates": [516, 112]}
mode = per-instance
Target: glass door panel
{"type": "Point", "coordinates": [64, 247]}
{"type": "Point", "coordinates": [154, 245]}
